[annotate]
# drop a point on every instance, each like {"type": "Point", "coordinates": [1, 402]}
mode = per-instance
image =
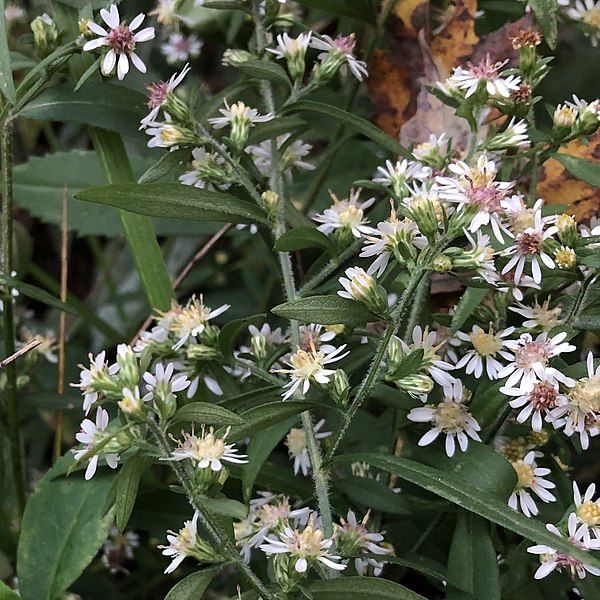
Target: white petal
{"type": "Point", "coordinates": [109, 61]}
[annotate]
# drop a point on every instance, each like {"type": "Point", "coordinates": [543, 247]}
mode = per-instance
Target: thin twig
{"type": "Point", "coordinates": [34, 343]}
{"type": "Point", "coordinates": [62, 322]}
{"type": "Point", "coordinates": [200, 254]}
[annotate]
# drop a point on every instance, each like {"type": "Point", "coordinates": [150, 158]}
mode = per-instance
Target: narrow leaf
{"type": "Point", "coordinates": [127, 484]}
{"type": "Point", "coordinates": [468, 302]}
{"type": "Point", "coordinates": [357, 123]}
{"type": "Point", "coordinates": [175, 201]}
{"type": "Point", "coordinates": [193, 586]}
{"type": "Point", "coordinates": [545, 16]}
{"type": "Point", "coordinates": [7, 85]}
{"type": "Point", "coordinates": [303, 237]}
{"type": "Point", "coordinates": [264, 69]}
{"type": "Point", "coordinates": [325, 310]}
{"type": "Point", "coordinates": [207, 414]}
{"type": "Point", "coordinates": [165, 165]}
{"type": "Point", "coordinates": [360, 588]}
{"type": "Point", "coordinates": [586, 170]}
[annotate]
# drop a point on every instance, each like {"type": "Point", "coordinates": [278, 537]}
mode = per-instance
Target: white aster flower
{"type": "Point", "coordinates": [291, 48]}
{"type": "Point", "coordinates": [476, 186]}
{"type": "Point", "coordinates": [485, 348]}
{"type": "Point", "coordinates": [316, 336]}
{"type": "Point", "coordinates": [434, 149]}
{"type": "Point", "coordinates": [348, 213]}
{"type": "Point", "coordinates": [529, 362]}
{"type": "Point", "coordinates": [450, 417]}
{"type": "Point", "coordinates": [121, 40]}
{"type": "Point", "coordinates": [162, 383]}
{"type": "Point", "coordinates": [305, 547]}
{"type": "Point", "coordinates": [207, 450]}
{"type": "Point", "coordinates": [538, 399]}
{"type": "Point", "coordinates": [209, 169]}
{"type": "Point", "coordinates": [340, 49]}
{"type": "Point", "coordinates": [181, 544]}
{"type": "Point", "coordinates": [432, 359]}
{"type": "Point", "coordinates": [530, 477]}
{"type": "Point", "coordinates": [92, 378]}
{"type": "Point", "coordinates": [586, 508]}
{"type": "Point", "coordinates": [353, 536]}
{"type": "Point", "coordinates": [292, 156]}
{"type": "Point", "coordinates": [484, 75]}
{"type": "Point", "coordinates": [358, 285]}
{"type": "Point", "coordinates": [180, 48]}
{"type": "Point", "coordinates": [539, 315]}
{"type": "Point", "coordinates": [13, 14]}
{"type": "Point", "coordinates": [309, 366]}
{"type": "Point", "coordinates": [158, 94]}
{"type": "Point", "coordinates": [513, 136]}
{"type": "Point", "coordinates": [552, 559]}
{"type": "Point", "coordinates": [530, 245]}
{"type": "Point", "coordinates": [298, 449]}
{"type": "Point", "coordinates": [238, 111]}
{"type": "Point", "coordinates": [400, 173]}
{"type": "Point", "coordinates": [92, 433]}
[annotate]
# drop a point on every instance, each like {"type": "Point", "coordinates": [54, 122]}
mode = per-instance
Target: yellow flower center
{"type": "Point", "coordinates": [486, 344]}
{"type": "Point", "coordinates": [296, 441]}
{"type": "Point", "coordinates": [209, 446]}
{"type": "Point", "coordinates": [308, 543]}
{"type": "Point", "coordinates": [306, 364]}
{"type": "Point", "coordinates": [522, 220]}
{"type": "Point", "coordinates": [589, 512]}
{"type": "Point", "coordinates": [547, 317]}
{"type": "Point", "coordinates": [450, 416]}
{"type": "Point", "coordinates": [586, 395]}
{"type": "Point", "coordinates": [592, 17]}
{"type": "Point", "coordinates": [350, 215]}
{"type": "Point", "coordinates": [170, 134]}
{"type": "Point", "coordinates": [515, 449]}
{"type": "Point", "coordinates": [525, 475]}
{"type": "Point", "coordinates": [565, 257]}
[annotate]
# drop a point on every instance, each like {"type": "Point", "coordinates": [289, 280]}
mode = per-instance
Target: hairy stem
{"type": "Point", "coordinates": [220, 538]}
{"type": "Point", "coordinates": [12, 406]}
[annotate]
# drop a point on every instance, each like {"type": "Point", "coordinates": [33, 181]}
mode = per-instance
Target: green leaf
{"type": "Point", "coordinates": [193, 586]}
{"type": "Point", "coordinates": [36, 293]}
{"type": "Point", "coordinates": [360, 588]}
{"type": "Point", "coordinates": [139, 232]}
{"type": "Point", "coordinates": [545, 17]}
{"type": "Point", "coordinates": [357, 123]}
{"type": "Point", "coordinates": [468, 302]}
{"type": "Point", "coordinates": [264, 69]}
{"type": "Point", "coordinates": [357, 9]}
{"type": "Point", "coordinates": [207, 414]}
{"type": "Point", "coordinates": [224, 506]}
{"type": "Point", "coordinates": [166, 163]}
{"type": "Point", "coordinates": [91, 70]}
{"type": "Point", "coordinates": [259, 448]}
{"type": "Point", "coordinates": [586, 170]}
{"type": "Point", "coordinates": [127, 484]}
{"type": "Point", "coordinates": [421, 564]}
{"type": "Point", "coordinates": [265, 415]}
{"type": "Point", "coordinates": [459, 491]}
{"type": "Point", "coordinates": [325, 310]}
{"type": "Point", "coordinates": [20, 61]}
{"type": "Point", "coordinates": [5, 592]}
{"type": "Point", "coordinates": [176, 201]}
{"type": "Point", "coordinates": [373, 494]}
{"type": "Point", "coordinates": [63, 527]}
{"type": "Point", "coordinates": [104, 105]}
{"type": "Point", "coordinates": [231, 330]}
{"type": "Point", "coordinates": [409, 364]}
{"type": "Point", "coordinates": [303, 237]}
{"type": "Point", "coordinates": [274, 128]}
{"type": "Point", "coordinates": [472, 565]}
{"type": "Point", "coordinates": [7, 85]}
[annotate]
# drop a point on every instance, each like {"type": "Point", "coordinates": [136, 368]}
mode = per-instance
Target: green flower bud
{"type": "Point", "coordinates": [45, 35]}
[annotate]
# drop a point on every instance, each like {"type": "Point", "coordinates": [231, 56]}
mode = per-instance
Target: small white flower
{"type": "Point", "coordinates": [291, 48]}
{"type": "Point", "coordinates": [163, 383]}
{"type": "Point", "coordinates": [121, 40]}
{"type": "Point", "coordinates": [181, 544]}
{"type": "Point", "coordinates": [476, 186]}
{"type": "Point", "coordinates": [179, 48]}
{"type": "Point", "coordinates": [513, 136]}
{"type": "Point", "coordinates": [530, 477]}
{"type": "Point", "coordinates": [588, 12]}
{"type": "Point", "coordinates": [586, 508]}
{"type": "Point", "coordinates": [209, 169]}
{"type": "Point", "coordinates": [309, 366]}
{"type": "Point", "coordinates": [158, 93]}
{"type": "Point", "coordinates": [340, 48]}
{"type": "Point", "coordinates": [486, 346]}
{"type": "Point", "coordinates": [207, 450]}
{"type": "Point", "coordinates": [297, 448]}
{"type": "Point", "coordinates": [91, 434]}
{"type": "Point", "coordinates": [238, 111]}
{"type": "Point", "coordinates": [292, 156]}
{"type": "Point", "coordinates": [305, 547]}
{"type": "Point", "coordinates": [357, 284]}
{"type": "Point", "coordinates": [529, 362]}
{"type": "Point", "coordinates": [485, 74]}
{"type": "Point", "coordinates": [530, 245]}
{"type": "Point", "coordinates": [450, 417]}
{"type": "Point", "coordinates": [13, 14]}
{"type": "Point", "coordinates": [91, 379]}
{"type": "Point", "coordinates": [435, 146]}
{"type": "Point", "coordinates": [401, 172]}
{"type": "Point", "coordinates": [537, 400]}
{"type": "Point", "coordinates": [348, 213]}
{"type": "Point", "coordinates": [552, 559]}
{"type": "Point", "coordinates": [539, 315]}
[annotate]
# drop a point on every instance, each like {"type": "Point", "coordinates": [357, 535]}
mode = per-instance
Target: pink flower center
{"type": "Point", "coordinates": [487, 198]}
{"type": "Point", "coordinates": [543, 396]}
{"type": "Point", "coordinates": [182, 45]}
{"type": "Point", "coordinates": [121, 40]}
{"type": "Point", "coordinates": [158, 94]}
{"type": "Point", "coordinates": [485, 69]}
{"type": "Point", "coordinates": [532, 352]}
{"type": "Point", "coordinates": [530, 243]}
{"type": "Point", "coordinates": [345, 43]}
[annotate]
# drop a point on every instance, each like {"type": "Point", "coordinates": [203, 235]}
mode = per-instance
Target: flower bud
{"type": "Point", "coordinates": [285, 573]}
{"type": "Point", "coordinates": [563, 118]}
{"type": "Point", "coordinates": [339, 387]}
{"type": "Point", "coordinates": [361, 286]}
{"type": "Point", "coordinates": [417, 384]}
{"type": "Point", "coordinates": [589, 118]}
{"type": "Point", "coordinates": [442, 264]}
{"type": "Point", "coordinates": [259, 346]}
{"type": "Point", "coordinates": [129, 373]}
{"type": "Point", "coordinates": [565, 258]}
{"type": "Point", "coordinates": [234, 58]}
{"type": "Point", "coordinates": [567, 230]}
{"type": "Point", "coordinates": [132, 404]}
{"type": "Point", "coordinates": [202, 352]}
{"type": "Point", "coordinates": [45, 35]}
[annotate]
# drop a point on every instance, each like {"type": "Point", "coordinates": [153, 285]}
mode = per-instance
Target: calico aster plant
{"type": "Point", "coordinates": [358, 436]}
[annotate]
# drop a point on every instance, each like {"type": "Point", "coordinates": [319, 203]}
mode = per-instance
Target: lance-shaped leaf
{"type": "Point", "coordinates": [325, 310]}
{"type": "Point", "coordinates": [360, 588]}
{"type": "Point", "coordinates": [206, 413]}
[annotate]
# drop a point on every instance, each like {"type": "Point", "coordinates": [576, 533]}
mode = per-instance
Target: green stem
{"type": "Point", "coordinates": [365, 387]}
{"type": "Point", "coordinates": [220, 538]}
{"type": "Point", "coordinates": [277, 185]}
{"type": "Point", "coordinates": [12, 406]}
